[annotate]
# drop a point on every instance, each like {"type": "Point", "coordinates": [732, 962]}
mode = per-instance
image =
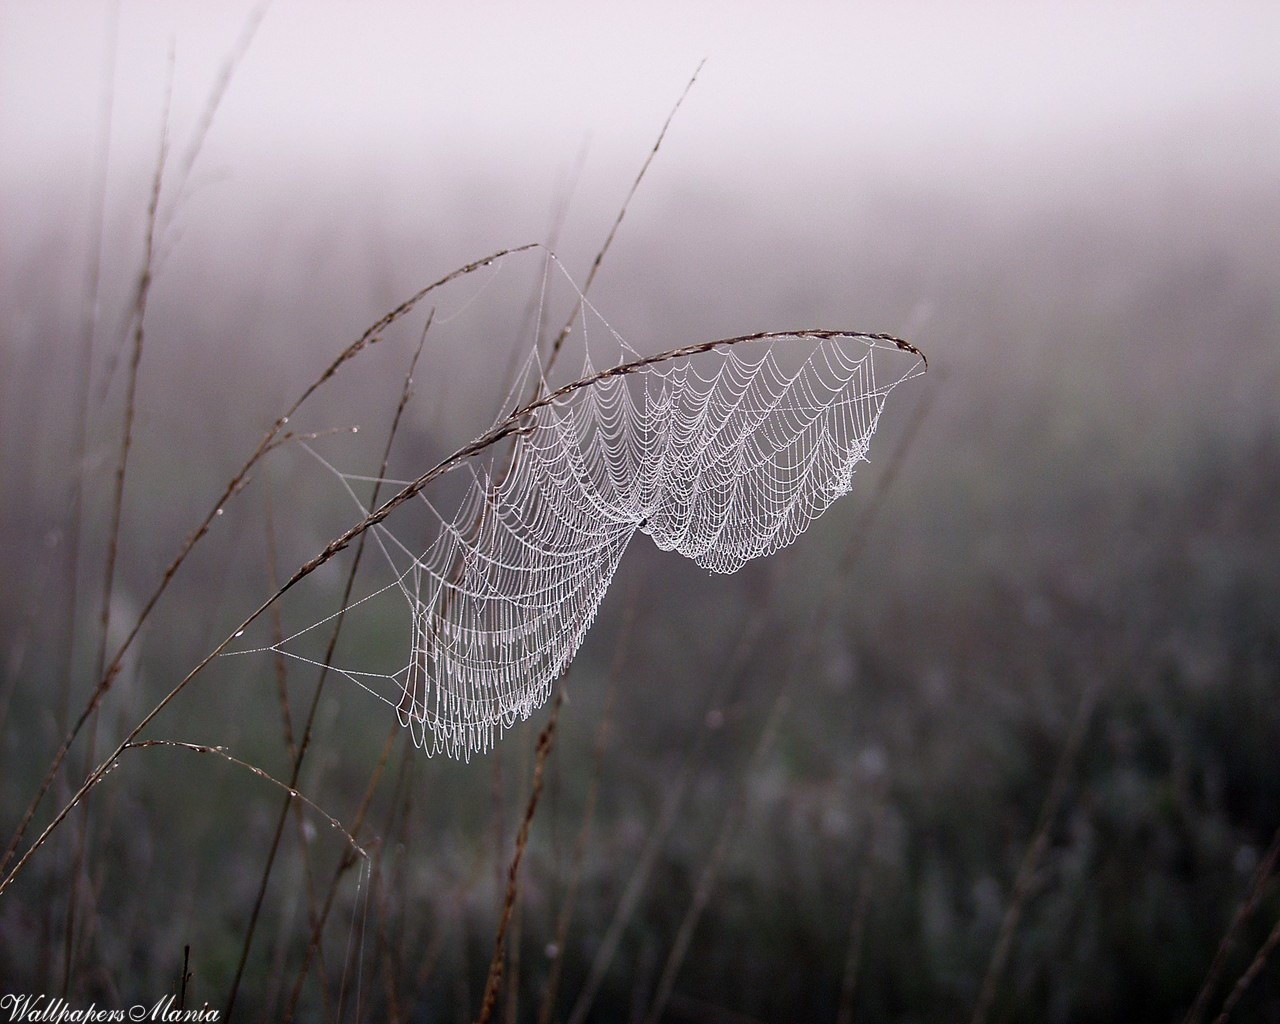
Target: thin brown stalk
{"type": "Point", "coordinates": [88, 328]}
{"type": "Point", "coordinates": [355, 849]}
{"type": "Point", "coordinates": [277, 632]}
{"type": "Point", "coordinates": [546, 739]}
{"type": "Point", "coordinates": [862, 904]}
{"type": "Point", "coordinates": [226, 74]}
{"type": "Point", "coordinates": [213, 101]}
{"type": "Point", "coordinates": [617, 223]}
{"type": "Point", "coordinates": [384, 953]}
{"type": "Point", "coordinates": [117, 511]}
{"type": "Point", "coordinates": [513, 425]}
{"type": "Point", "coordinates": [1250, 975]}
{"type": "Point", "coordinates": [131, 391]}
{"type": "Point", "coordinates": [319, 920]}
{"type": "Point", "coordinates": [558, 344]}
{"type": "Point", "coordinates": [399, 808]}
{"type": "Point", "coordinates": [277, 625]}
{"type": "Point", "coordinates": [821, 614]}
{"type": "Point", "coordinates": [233, 487]}
{"type": "Point", "coordinates": [297, 754]}
{"type": "Point", "coordinates": [1025, 881]}
{"type": "Point", "coordinates": [512, 967]}
{"type": "Point", "coordinates": [604, 731]}
{"type": "Point", "coordinates": [317, 930]}
{"type": "Point", "coordinates": [656, 841]}
{"type": "Point", "coordinates": [1261, 878]}
{"type": "Point", "coordinates": [530, 318]}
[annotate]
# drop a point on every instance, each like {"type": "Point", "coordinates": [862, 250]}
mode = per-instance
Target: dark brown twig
{"type": "Point", "coordinates": [613, 230]}
{"type": "Point", "coordinates": [89, 320]}
{"type": "Point", "coordinates": [513, 425]}
{"type": "Point", "coordinates": [131, 391]}
{"type": "Point", "coordinates": [344, 865]}
{"type": "Point", "coordinates": [298, 754]}
{"type": "Point", "coordinates": [1025, 880]}
{"type": "Point", "coordinates": [117, 512]}
{"type": "Point", "coordinates": [546, 740]}
{"type": "Point", "coordinates": [821, 615]}
{"type": "Point", "coordinates": [600, 744]}
{"type": "Point", "coordinates": [88, 330]}
{"type": "Point", "coordinates": [371, 336]}
{"type": "Point", "coordinates": [293, 794]}
{"type": "Point", "coordinates": [1261, 877]}
{"type": "Point", "coordinates": [1250, 975]}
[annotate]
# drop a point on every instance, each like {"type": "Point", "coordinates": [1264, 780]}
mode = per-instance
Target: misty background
{"type": "Point", "coordinates": [1065, 540]}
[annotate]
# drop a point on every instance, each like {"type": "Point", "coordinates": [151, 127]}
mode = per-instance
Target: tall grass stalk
{"type": "Point", "coordinates": [269, 441]}
{"type": "Point", "coordinates": [1262, 877]}
{"type": "Point", "coordinates": [141, 296]}
{"type": "Point", "coordinates": [802, 655]}
{"type": "Point", "coordinates": [546, 739]}
{"type": "Point", "coordinates": [604, 730]}
{"type": "Point", "coordinates": [1024, 883]}
{"type": "Point", "coordinates": [298, 755]}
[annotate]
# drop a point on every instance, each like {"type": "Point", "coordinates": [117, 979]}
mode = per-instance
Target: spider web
{"type": "Point", "coordinates": [724, 456]}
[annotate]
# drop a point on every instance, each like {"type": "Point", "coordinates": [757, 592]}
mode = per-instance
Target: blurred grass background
{"type": "Point", "coordinates": [1081, 534]}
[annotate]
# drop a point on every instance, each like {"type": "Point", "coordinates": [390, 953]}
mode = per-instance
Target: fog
{"type": "Point", "coordinates": [1049, 601]}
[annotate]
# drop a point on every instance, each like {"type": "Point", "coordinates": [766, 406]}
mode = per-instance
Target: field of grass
{"type": "Point", "coordinates": [996, 740]}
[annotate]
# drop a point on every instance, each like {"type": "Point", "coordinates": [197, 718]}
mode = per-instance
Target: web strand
{"type": "Point", "coordinates": [724, 456]}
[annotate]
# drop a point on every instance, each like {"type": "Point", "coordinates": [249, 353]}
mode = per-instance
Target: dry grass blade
{"type": "Point", "coordinates": [821, 614]}
{"type": "Point", "coordinates": [142, 294]}
{"type": "Point", "coordinates": [88, 331]}
{"type": "Point", "coordinates": [298, 753]}
{"type": "Point", "coordinates": [206, 118]}
{"type": "Point", "coordinates": [599, 745]}
{"type": "Point", "coordinates": [512, 425]}
{"type": "Point", "coordinates": [281, 673]}
{"type": "Point", "coordinates": [546, 739]}
{"type": "Point", "coordinates": [222, 83]}
{"type": "Point", "coordinates": [1024, 882]}
{"type": "Point", "coordinates": [1261, 877]}
{"type": "Point", "coordinates": [199, 748]}
{"type": "Point", "coordinates": [344, 865]}
{"type": "Point", "coordinates": [1250, 975]}
{"type": "Point", "coordinates": [558, 344]}
{"type": "Point", "coordinates": [233, 487]}
{"type": "Point", "coordinates": [668, 818]}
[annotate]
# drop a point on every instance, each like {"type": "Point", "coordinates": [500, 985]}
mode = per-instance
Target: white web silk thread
{"type": "Point", "coordinates": [724, 456]}
{"type": "Point", "coordinates": [722, 467]}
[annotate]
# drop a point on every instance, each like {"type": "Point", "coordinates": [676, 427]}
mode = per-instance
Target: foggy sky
{"type": "Point", "coordinates": [925, 89]}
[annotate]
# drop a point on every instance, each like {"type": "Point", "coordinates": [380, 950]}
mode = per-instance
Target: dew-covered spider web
{"type": "Point", "coordinates": [722, 455]}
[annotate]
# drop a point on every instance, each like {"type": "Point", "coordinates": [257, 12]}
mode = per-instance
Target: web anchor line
{"type": "Point", "coordinates": [724, 452]}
